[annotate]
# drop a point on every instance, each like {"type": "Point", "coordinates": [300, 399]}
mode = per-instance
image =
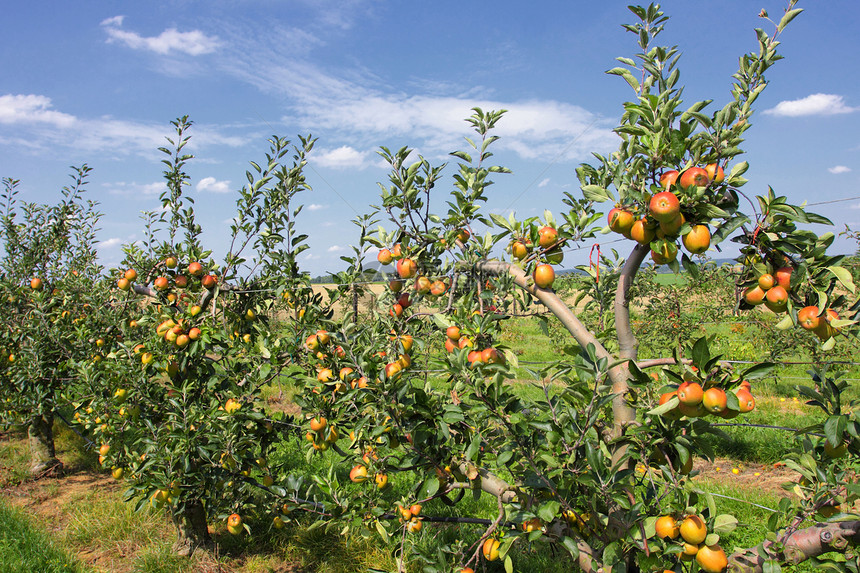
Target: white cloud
{"type": "Point", "coordinates": [839, 169]}
{"type": "Point", "coordinates": [342, 158]}
{"type": "Point", "coordinates": [32, 109]}
{"type": "Point", "coordinates": [543, 183]}
{"type": "Point", "coordinates": [126, 188]}
{"type": "Point", "coordinates": [213, 185]}
{"type": "Point", "coordinates": [815, 104]}
{"type": "Point", "coordinates": [316, 207]}
{"type": "Point", "coordinates": [193, 43]}
{"type": "Point", "coordinates": [112, 242]}
{"type": "Point", "coordinates": [335, 249]}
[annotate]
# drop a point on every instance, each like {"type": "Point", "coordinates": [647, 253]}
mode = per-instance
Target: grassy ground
{"type": "Point", "coordinates": [80, 523]}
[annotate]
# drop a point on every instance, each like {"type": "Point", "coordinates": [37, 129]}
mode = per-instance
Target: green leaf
{"type": "Point", "coordinates": [788, 17]}
{"type": "Point", "coordinates": [725, 523]}
{"type": "Point", "coordinates": [786, 323]}
{"type": "Point", "coordinates": [430, 487]}
{"type": "Point", "coordinates": [596, 193]}
{"type": "Point", "coordinates": [758, 371]}
{"type": "Point", "coordinates": [843, 276]}
{"type": "Point", "coordinates": [549, 510]}
{"type": "Point", "coordinates": [668, 406]}
{"type": "Point", "coordinates": [571, 546]}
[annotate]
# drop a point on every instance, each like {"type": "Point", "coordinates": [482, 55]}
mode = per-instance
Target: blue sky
{"type": "Point", "coordinates": [98, 83]}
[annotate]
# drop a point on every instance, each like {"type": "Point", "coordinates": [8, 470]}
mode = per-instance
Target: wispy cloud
{"type": "Point", "coordinates": [837, 169]}
{"type": "Point", "coordinates": [134, 188]}
{"type": "Point", "coordinates": [213, 185]}
{"type": "Point", "coordinates": [171, 40]}
{"type": "Point", "coordinates": [42, 127]}
{"type": "Point", "coordinates": [543, 183]}
{"type": "Point", "coordinates": [815, 104]}
{"type": "Point", "coordinates": [335, 249]}
{"type": "Point", "coordinates": [316, 207]}
{"type": "Point", "coordinates": [112, 242]}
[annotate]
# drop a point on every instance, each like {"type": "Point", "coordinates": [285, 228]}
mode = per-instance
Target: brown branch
{"type": "Point", "coordinates": [798, 547]}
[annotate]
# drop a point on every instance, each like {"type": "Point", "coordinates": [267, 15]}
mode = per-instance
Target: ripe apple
{"type": "Point", "coordinates": [690, 393]}
{"type": "Point", "coordinates": [694, 176]}
{"type": "Point", "coordinates": [519, 250]}
{"type": "Point", "coordinates": [783, 277]}
{"type": "Point", "coordinates": [544, 275]}
{"type": "Point", "coordinates": [449, 345]}
{"type": "Point", "coordinates": [548, 236]}
{"type": "Point", "coordinates": [170, 262]}
{"type": "Point", "coordinates": [209, 282]}
{"type": "Point", "coordinates": [668, 178]}
{"type": "Point", "coordinates": [384, 257]}
{"type": "Point", "coordinates": [318, 424]}
{"type": "Point", "coordinates": [475, 358]}
{"type": "Point", "coordinates": [642, 232]}
{"type": "Point", "coordinates": [746, 401]}
{"type": "Point", "coordinates": [161, 283]}
{"type": "Point", "coordinates": [406, 268]}
{"type": "Point", "coordinates": [463, 235]}
{"type": "Point", "coordinates": [715, 172]}
{"type": "Point", "coordinates": [123, 284]}
{"type": "Point", "coordinates": [808, 317]}
{"type": "Point", "coordinates": [776, 298]}
{"type": "Point", "coordinates": [714, 400]}
{"type": "Point", "coordinates": [393, 369]}
{"type": "Point", "coordinates": [554, 256]}
{"type": "Point", "coordinates": [194, 333]}
{"type": "Point", "coordinates": [181, 281]}
{"type": "Point", "coordinates": [693, 529]}
{"type": "Point", "coordinates": [423, 284]}
{"type": "Point", "coordinates": [130, 274]}
{"type": "Point", "coordinates": [664, 206]}
{"type": "Point", "coordinates": [698, 239]}
{"type": "Point", "coordinates": [234, 524]}
{"type": "Point", "coordinates": [381, 481]}
{"type": "Point", "coordinates": [120, 396]}
{"type": "Point", "coordinates": [621, 221]}
{"type": "Point", "coordinates": [492, 356]}
{"type": "Point", "coordinates": [396, 310]}
{"type": "Point", "coordinates": [395, 285]}
{"type": "Point", "coordinates": [117, 473]}
{"type": "Point", "coordinates": [358, 474]}
{"type": "Point", "coordinates": [666, 527]}
{"type": "Point", "coordinates": [453, 332]}
{"type": "Point", "coordinates": [195, 269]}
{"type": "Point", "coordinates": [766, 281]}
{"type": "Point", "coordinates": [754, 295]}
{"type": "Point", "coordinates": [670, 228]}
{"type": "Point", "coordinates": [668, 252]}
{"type": "Point", "coordinates": [438, 288]}
{"type": "Point", "coordinates": [712, 559]}
{"type": "Point", "coordinates": [490, 549]}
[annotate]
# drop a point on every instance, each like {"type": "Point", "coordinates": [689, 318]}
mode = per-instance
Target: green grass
{"type": "Point", "coordinates": [27, 547]}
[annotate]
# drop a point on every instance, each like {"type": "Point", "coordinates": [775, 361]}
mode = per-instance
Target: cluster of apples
{"type": "Point", "coordinates": [692, 531]}
{"type": "Point", "coordinates": [664, 219]}
{"type": "Point", "coordinates": [694, 401]}
{"type": "Point", "coordinates": [180, 280]}
{"type": "Point", "coordinates": [551, 253]}
{"type": "Point", "coordinates": [455, 339]}
{"type": "Point", "coordinates": [322, 434]}
{"type": "Point", "coordinates": [407, 268]}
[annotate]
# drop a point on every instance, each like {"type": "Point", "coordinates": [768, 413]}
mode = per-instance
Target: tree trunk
{"type": "Point", "coordinates": [192, 532]}
{"type": "Point", "coordinates": [798, 547]}
{"type": "Point", "coordinates": [43, 457]}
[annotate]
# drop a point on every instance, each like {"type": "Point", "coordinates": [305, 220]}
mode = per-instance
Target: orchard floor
{"type": "Point", "coordinates": [84, 514]}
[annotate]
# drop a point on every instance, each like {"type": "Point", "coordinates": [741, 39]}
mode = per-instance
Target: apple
{"type": "Point", "coordinates": [181, 281]}
{"type": "Point", "coordinates": [712, 559]}
{"type": "Point", "coordinates": [490, 549]}
{"type": "Point", "coordinates": [554, 256]}
{"type": "Point", "coordinates": [182, 340]}
{"type": "Point", "coordinates": [381, 481]}
{"type": "Point", "coordinates": [766, 281]}
{"type": "Point", "coordinates": [120, 396]}
{"type": "Point", "coordinates": [423, 284]}
{"type": "Point", "coordinates": [492, 356]}
{"type": "Point", "coordinates": [670, 228]}
{"type": "Point", "coordinates": [664, 206]}
{"type": "Point", "coordinates": [170, 262]}
{"type": "Point", "coordinates": [667, 527]}
{"type": "Point", "coordinates": [668, 178]}
{"type": "Point", "coordinates": [209, 282]}
{"type": "Point", "coordinates": [642, 232]}
{"type": "Point", "coordinates": [130, 274]}
{"type": "Point", "coordinates": [449, 345]}
{"type": "Point", "coordinates": [234, 524]}
{"type": "Point", "coordinates": [690, 393]}
{"type": "Point", "coordinates": [620, 221]}
{"type": "Point", "coordinates": [519, 250]}
{"type": "Point", "coordinates": [384, 257]}
{"type": "Point", "coordinates": [195, 269]}
{"type": "Point", "coordinates": [776, 298]}
{"type": "Point", "coordinates": [406, 268]}
{"type": "Point", "coordinates": [475, 358]}
{"type": "Point", "coordinates": [358, 474]}
{"type": "Point", "coordinates": [715, 172]}
{"type": "Point", "coordinates": [117, 473]}
{"type": "Point", "coordinates": [544, 275]}
{"type": "Point", "coordinates": [548, 236]}
{"type": "Point", "coordinates": [438, 288]}
{"type": "Point", "coordinates": [395, 285]}
{"type": "Point", "coordinates": [693, 529]}
{"type": "Point", "coordinates": [123, 284]}
{"type": "Point", "coordinates": [463, 235]}
{"type": "Point", "coordinates": [453, 332]}
{"type": "Point", "coordinates": [754, 295]}
{"type": "Point", "coordinates": [393, 369]}
{"type": "Point", "coordinates": [808, 317]}
{"type": "Point", "coordinates": [668, 252]}
{"type": "Point", "coordinates": [195, 310]}
{"type": "Point", "coordinates": [318, 424]}
{"type": "Point", "coordinates": [161, 283]}
{"type": "Point", "coordinates": [694, 176]}
{"type": "Point", "coordinates": [714, 400]}
{"type": "Point", "coordinates": [746, 401]}
{"type": "Point", "coordinates": [698, 239]}
{"type": "Point", "coordinates": [783, 277]}
{"type": "Point", "coordinates": [194, 333]}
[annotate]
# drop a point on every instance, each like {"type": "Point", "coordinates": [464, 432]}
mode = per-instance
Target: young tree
{"type": "Point", "coordinates": [600, 463]}
{"type": "Point", "coordinates": [49, 300]}
{"type": "Point", "coordinates": [175, 404]}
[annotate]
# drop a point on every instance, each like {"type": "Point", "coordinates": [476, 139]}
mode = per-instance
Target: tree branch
{"type": "Point", "coordinates": [797, 547]}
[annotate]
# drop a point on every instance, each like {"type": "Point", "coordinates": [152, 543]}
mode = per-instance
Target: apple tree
{"type": "Point", "coordinates": [598, 460]}
{"type": "Point", "coordinates": [175, 405]}
{"type": "Point", "coordinates": [51, 302]}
